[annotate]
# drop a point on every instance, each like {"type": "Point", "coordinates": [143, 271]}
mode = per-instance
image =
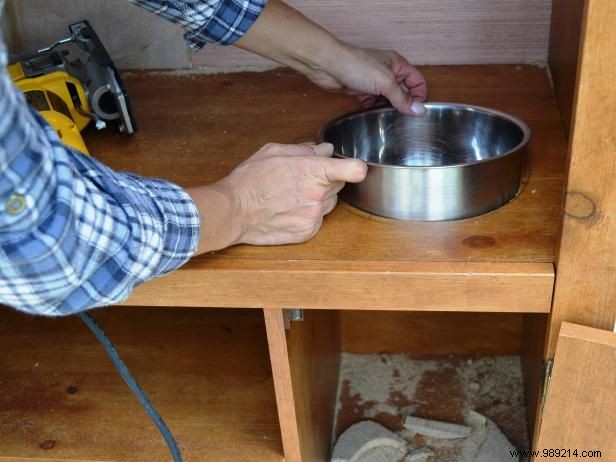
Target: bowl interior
{"type": "Point", "coordinates": [446, 135]}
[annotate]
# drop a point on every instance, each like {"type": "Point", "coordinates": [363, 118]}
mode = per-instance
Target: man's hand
{"type": "Point", "coordinates": [371, 74]}
{"type": "Point", "coordinates": [284, 35]}
{"type": "Point", "coordinates": [277, 196]}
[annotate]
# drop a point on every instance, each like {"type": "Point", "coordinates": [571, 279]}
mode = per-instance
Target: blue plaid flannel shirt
{"type": "Point", "coordinates": [75, 234]}
{"type": "Point", "coordinates": [208, 21]}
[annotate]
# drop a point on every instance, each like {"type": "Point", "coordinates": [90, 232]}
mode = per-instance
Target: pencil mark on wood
{"type": "Point", "coordinates": [579, 206]}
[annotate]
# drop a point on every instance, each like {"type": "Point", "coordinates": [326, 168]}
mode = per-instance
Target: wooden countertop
{"type": "Point", "coordinates": [194, 130]}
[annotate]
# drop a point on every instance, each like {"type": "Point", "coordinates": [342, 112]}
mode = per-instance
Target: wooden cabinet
{"type": "Point", "coordinates": [501, 283]}
{"type": "Point", "coordinates": [579, 406]}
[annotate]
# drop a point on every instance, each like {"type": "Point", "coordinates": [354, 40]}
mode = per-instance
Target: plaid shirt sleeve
{"type": "Point", "coordinates": [208, 21]}
{"type": "Point", "coordinates": [75, 234]}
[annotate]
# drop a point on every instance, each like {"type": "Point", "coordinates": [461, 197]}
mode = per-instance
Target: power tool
{"type": "Point", "coordinates": [73, 82]}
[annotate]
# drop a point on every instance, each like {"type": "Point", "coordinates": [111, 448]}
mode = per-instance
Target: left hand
{"type": "Point", "coordinates": [286, 36]}
{"type": "Point", "coordinates": [372, 74]}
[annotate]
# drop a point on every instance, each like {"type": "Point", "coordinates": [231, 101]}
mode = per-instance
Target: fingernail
{"type": "Point", "coordinates": [418, 108]}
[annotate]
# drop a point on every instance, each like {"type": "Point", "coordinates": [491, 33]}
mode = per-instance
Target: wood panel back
{"type": "Point", "coordinates": [431, 334]}
{"type": "Point", "coordinates": [567, 20]}
{"type": "Point", "coordinates": [426, 32]}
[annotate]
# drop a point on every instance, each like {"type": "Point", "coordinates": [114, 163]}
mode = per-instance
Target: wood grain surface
{"type": "Point", "coordinates": [580, 410]}
{"type": "Point", "coordinates": [564, 53]}
{"type": "Point", "coordinates": [283, 384]}
{"type": "Point", "coordinates": [585, 292]}
{"type": "Point", "coordinates": [195, 130]}
{"type": "Point", "coordinates": [207, 372]}
{"type": "Point", "coordinates": [305, 362]}
{"type": "Point", "coordinates": [431, 334]}
{"type": "Point", "coordinates": [314, 355]}
{"type": "Point", "coordinates": [418, 286]}
{"type": "Point", "coordinates": [425, 31]}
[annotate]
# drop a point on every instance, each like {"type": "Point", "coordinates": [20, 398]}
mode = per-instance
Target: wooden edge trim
{"type": "Point", "coordinates": [589, 334]}
{"type": "Point", "coordinates": [202, 265]}
{"type": "Point", "coordinates": [283, 387]}
{"type": "Point", "coordinates": [480, 287]}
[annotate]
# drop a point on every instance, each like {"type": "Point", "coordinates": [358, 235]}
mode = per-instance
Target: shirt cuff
{"type": "Point", "coordinates": [230, 22]}
{"type": "Point", "coordinates": [181, 224]}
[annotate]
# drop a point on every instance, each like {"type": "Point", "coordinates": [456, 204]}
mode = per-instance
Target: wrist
{"type": "Point", "coordinates": [286, 36]}
{"type": "Point", "coordinates": [218, 217]}
{"type": "Point", "coordinates": [322, 55]}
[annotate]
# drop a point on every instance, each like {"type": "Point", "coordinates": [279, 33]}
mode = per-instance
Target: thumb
{"type": "Point", "coordinates": [402, 100]}
{"type": "Point", "coordinates": [348, 170]}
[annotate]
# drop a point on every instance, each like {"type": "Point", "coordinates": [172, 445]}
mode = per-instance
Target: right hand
{"type": "Point", "coordinates": [279, 195]}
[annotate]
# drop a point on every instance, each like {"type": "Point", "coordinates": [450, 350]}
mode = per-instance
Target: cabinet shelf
{"type": "Point", "coordinates": [194, 130]}
{"type": "Point", "coordinates": [207, 372]}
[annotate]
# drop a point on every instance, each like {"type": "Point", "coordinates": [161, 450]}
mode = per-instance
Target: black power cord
{"type": "Point", "coordinates": [133, 385]}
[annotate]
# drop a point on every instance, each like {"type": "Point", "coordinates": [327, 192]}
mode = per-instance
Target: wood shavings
{"type": "Point", "coordinates": [435, 428]}
{"type": "Point", "coordinates": [443, 389]}
{"type": "Point", "coordinates": [419, 455]}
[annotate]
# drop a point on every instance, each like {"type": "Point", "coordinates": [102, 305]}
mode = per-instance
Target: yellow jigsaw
{"type": "Point", "coordinates": [74, 82]}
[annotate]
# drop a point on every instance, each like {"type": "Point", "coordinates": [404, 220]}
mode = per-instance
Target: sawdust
{"type": "Point", "coordinates": [373, 388]}
{"type": "Point", "coordinates": [386, 390]}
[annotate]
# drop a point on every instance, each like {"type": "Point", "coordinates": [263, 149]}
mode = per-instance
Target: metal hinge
{"type": "Point", "coordinates": [292, 315]}
{"type": "Point", "coordinates": [548, 365]}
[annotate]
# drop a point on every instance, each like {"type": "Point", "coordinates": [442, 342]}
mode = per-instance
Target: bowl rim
{"type": "Point", "coordinates": [526, 131]}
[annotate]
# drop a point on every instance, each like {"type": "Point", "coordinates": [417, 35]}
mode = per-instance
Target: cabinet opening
{"type": "Point", "coordinates": [436, 366]}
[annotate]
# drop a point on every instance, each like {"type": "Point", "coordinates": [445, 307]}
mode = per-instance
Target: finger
{"type": "Point", "coordinates": [347, 170]}
{"type": "Point", "coordinates": [299, 150]}
{"type": "Point", "coordinates": [333, 189]}
{"type": "Point", "coordinates": [411, 77]}
{"type": "Point", "coordinates": [314, 231]}
{"type": "Point", "coordinates": [380, 101]}
{"type": "Point", "coordinates": [330, 205]}
{"type": "Point", "coordinates": [399, 98]}
{"type": "Point", "coordinates": [367, 101]}
{"type": "Point", "coordinates": [310, 149]}
{"type": "Point", "coordinates": [416, 83]}
{"type": "Point", "coordinates": [323, 149]}
{"type": "Point", "coordinates": [412, 80]}
{"type": "Point", "coordinates": [288, 150]}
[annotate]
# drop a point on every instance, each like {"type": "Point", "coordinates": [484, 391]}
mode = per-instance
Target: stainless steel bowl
{"type": "Point", "coordinates": [457, 161]}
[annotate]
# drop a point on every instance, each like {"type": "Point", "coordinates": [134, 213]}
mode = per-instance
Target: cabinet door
{"type": "Point", "coordinates": [580, 408]}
